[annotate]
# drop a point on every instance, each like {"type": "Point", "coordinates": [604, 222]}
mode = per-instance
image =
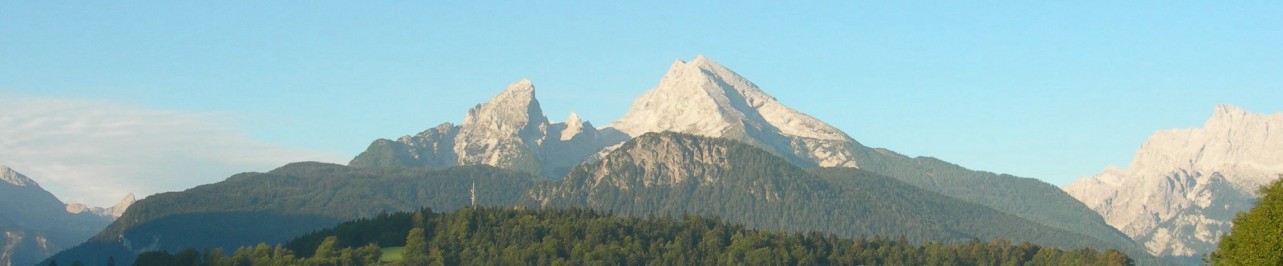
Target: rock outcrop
{"type": "Point", "coordinates": [1184, 186]}
{"type": "Point", "coordinates": [509, 131]}
{"type": "Point", "coordinates": [704, 98]}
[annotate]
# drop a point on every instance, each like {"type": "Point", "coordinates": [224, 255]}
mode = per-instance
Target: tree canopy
{"type": "Point", "coordinates": [1257, 235]}
{"type": "Point", "coordinates": [498, 236]}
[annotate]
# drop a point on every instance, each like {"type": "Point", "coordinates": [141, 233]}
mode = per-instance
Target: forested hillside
{"type": "Point", "coordinates": [292, 200]}
{"type": "Point", "coordinates": [498, 236]}
{"type": "Point", "coordinates": [673, 173]}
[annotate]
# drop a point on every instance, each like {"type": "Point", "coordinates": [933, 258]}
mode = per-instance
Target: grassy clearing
{"type": "Point", "coordinates": [392, 254]}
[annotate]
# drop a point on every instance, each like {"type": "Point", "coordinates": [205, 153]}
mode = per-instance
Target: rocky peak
{"type": "Point", "coordinates": [513, 111]}
{"type": "Point", "coordinates": [1183, 186]}
{"type": "Point", "coordinates": [8, 175]}
{"type": "Point", "coordinates": [704, 98]}
{"type": "Point", "coordinates": [505, 131]}
{"type": "Point", "coordinates": [113, 211]}
{"type": "Point", "coordinates": [122, 205]}
{"type": "Point", "coordinates": [573, 127]}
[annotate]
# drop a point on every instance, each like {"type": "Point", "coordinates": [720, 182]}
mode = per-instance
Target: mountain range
{"type": "Point", "coordinates": [705, 140]}
{"type": "Point", "coordinates": [704, 98]}
{"type": "Point", "coordinates": [1184, 186]}
{"type": "Point", "coordinates": [36, 224]}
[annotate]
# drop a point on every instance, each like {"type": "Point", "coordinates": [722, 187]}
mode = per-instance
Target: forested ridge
{"type": "Point", "coordinates": [739, 183]}
{"type": "Point", "coordinates": [673, 173]}
{"type": "Point", "coordinates": [502, 236]}
{"type": "Point", "coordinates": [294, 199]}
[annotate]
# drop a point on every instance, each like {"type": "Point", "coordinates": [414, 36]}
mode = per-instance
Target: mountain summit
{"type": "Point", "coordinates": [704, 98]}
{"type": "Point", "coordinates": [508, 131]}
{"type": "Point", "coordinates": [1183, 187]}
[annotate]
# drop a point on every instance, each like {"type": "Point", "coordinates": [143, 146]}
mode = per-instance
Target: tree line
{"type": "Point", "coordinates": [502, 236]}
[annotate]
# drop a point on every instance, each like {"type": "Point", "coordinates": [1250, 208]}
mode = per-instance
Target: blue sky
{"type": "Point", "coordinates": [1054, 91]}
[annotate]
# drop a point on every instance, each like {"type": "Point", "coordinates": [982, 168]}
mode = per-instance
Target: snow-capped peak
{"type": "Point", "coordinates": [14, 178]}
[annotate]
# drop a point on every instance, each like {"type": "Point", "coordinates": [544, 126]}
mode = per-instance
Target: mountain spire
{"type": "Point", "coordinates": [503, 131]}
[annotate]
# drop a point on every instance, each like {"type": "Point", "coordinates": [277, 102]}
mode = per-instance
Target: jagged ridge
{"type": "Point", "coordinates": [1184, 186]}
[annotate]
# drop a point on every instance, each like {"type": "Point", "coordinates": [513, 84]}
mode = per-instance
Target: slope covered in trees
{"type": "Point", "coordinates": [656, 174]}
{"type": "Point", "coordinates": [1257, 235]}
{"type": "Point", "coordinates": [672, 173]}
{"type": "Point", "coordinates": [289, 201]}
{"type": "Point", "coordinates": [496, 236]}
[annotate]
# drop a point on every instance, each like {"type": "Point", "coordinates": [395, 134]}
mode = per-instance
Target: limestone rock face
{"type": "Point", "coordinates": [504, 132]}
{"type": "Point", "coordinates": [704, 98]}
{"type": "Point", "coordinates": [1184, 186]}
{"type": "Point", "coordinates": [508, 131]}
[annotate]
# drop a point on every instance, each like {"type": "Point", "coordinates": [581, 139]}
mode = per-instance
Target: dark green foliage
{"type": "Point", "coordinates": [1027, 198]}
{"type": "Point", "coordinates": [333, 191]}
{"type": "Point", "coordinates": [1257, 235]}
{"type": "Point", "coordinates": [291, 200]}
{"type": "Point", "coordinates": [35, 222]}
{"type": "Point", "coordinates": [743, 184]}
{"type": "Point", "coordinates": [760, 190]}
{"type": "Point", "coordinates": [493, 236]}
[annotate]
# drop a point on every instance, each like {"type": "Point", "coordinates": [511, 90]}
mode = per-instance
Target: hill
{"type": "Point", "coordinates": [289, 201]}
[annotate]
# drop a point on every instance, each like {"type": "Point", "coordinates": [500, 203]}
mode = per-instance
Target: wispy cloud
{"type": "Point", "coordinates": [95, 151]}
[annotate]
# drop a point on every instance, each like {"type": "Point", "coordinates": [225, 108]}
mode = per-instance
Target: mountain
{"type": "Point", "coordinates": [700, 98]}
{"type": "Point", "coordinates": [509, 131]}
{"type": "Point", "coordinates": [113, 211]}
{"type": "Point", "coordinates": [289, 201]}
{"type": "Point", "coordinates": [704, 98]}
{"type": "Point", "coordinates": [1184, 186]}
{"type": "Point", "coordinates": [35, 223]}
{"type": "Point", "coordinates": [660, 174]}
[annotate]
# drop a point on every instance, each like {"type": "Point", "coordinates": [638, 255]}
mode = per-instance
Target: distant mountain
{"type": "Point", "coordinates": [35, 223]}
{"type": "Point", "coordinates": [764, 177]}
{"type": "Point", "coordinates": [1184, 186]}
{"type": "Point", "coordinates": [273, 207]}
{"type": "Point", "coordinates": [509, 131]}
{"type": "Point", "coordinates": [702, 97]}
{"type": "Point", "coordinates": [113, 211]}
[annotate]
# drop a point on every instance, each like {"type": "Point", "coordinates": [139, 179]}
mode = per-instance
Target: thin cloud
{"type": "Point", "coordinates": [96, 152]}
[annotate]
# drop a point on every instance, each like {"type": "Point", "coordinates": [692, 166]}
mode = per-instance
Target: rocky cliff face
{"type": "Point", "coordinates": [509, 131]}
{"type": "Point", "coordinates": [704, 98]}
{"type": "Point", "coordinates": [34, 224]}
{"type": "Point", "coordinates": [114, 211]}
{"type": "Point", "coordinates": [1184, 186]}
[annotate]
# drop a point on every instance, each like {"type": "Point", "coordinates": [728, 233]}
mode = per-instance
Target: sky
{"type": "Point", "coordinates": [98, 100]}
